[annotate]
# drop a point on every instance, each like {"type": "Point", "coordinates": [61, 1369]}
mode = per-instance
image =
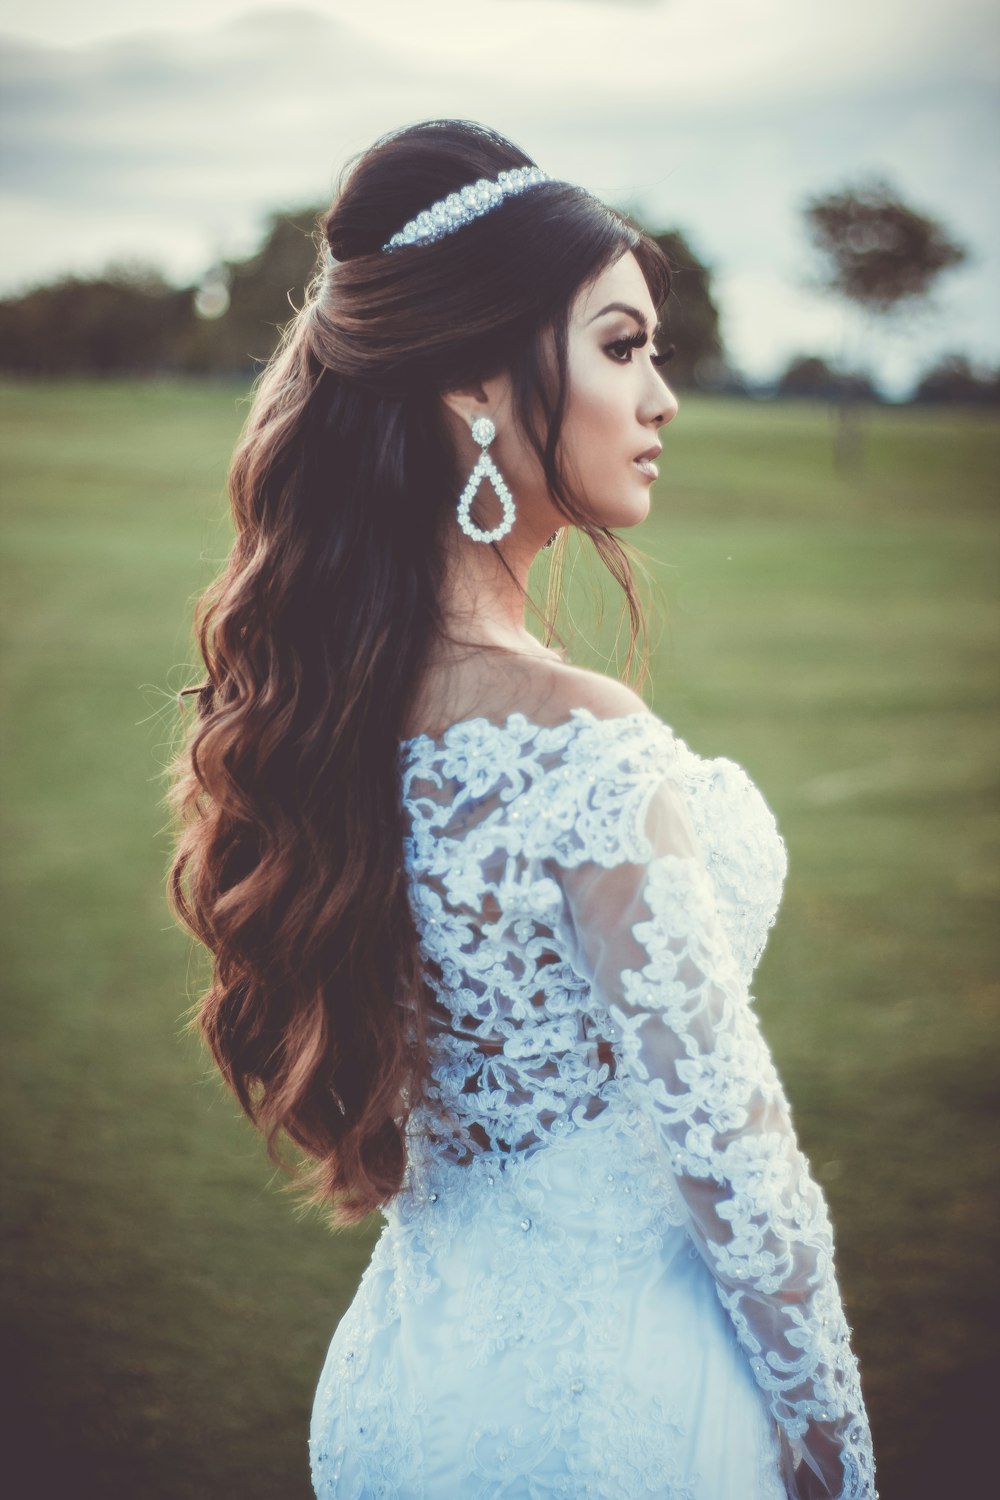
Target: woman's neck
{"type": "Point", "coordinates": [482, 601]}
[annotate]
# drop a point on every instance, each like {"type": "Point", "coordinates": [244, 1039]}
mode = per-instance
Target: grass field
{"type": "Point", "coordinates": [165, 1311]}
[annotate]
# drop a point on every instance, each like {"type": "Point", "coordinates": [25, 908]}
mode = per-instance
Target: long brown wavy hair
{"type": "Point", "coordinates": [288, 863]}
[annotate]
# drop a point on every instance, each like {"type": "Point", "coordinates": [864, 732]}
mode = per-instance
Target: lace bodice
{"type": "Point", "coordinates": [498, 814]}
{"type": "Point", "coordinates": [592, 899]}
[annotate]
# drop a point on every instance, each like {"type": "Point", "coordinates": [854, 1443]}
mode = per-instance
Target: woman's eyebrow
{"type": "Point", "coordinates": [625, 307]}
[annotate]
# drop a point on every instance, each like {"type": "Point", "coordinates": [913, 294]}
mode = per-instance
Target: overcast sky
{"type": "Point", "coordinates": [168, 132]}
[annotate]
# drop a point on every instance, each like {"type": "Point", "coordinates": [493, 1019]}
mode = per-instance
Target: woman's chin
{"type": "Point", "coordinates": [631, 511]}
{"type": "Point", "coordinates": [624, 510]}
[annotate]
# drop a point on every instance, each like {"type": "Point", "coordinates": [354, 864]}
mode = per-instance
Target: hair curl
{"type": "Point", "coordinates": [288, 862]}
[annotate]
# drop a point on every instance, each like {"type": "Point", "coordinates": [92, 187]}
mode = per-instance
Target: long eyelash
{"type": "Point", "coordinates": [637, 341]}
{"type": "Point", "coordinates": [633, 341]}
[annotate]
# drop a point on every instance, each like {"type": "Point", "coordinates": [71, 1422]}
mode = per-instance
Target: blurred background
{"type": "Point", "coordinates": [823, 544]}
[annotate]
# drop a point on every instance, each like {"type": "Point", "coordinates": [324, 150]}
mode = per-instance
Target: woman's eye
{"type": "Point", "coordinates": [623, 348]}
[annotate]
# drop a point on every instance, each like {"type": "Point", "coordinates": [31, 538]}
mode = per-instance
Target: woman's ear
{"type": "Point", "coordinates": [484, 398]}
{"type": "Point", "coordinates": [467, 403]}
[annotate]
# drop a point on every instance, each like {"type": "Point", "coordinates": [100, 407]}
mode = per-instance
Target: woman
{"type": "Point", "coordinates": [482, 925]}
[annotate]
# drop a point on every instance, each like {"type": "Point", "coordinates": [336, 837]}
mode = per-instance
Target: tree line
{"type": "Point", "coordinates": [875, 252]}
{"type": "Point", "coordinates": [130, 319]}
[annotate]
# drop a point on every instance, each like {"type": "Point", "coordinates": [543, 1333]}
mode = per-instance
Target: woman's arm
{"type": "Point", "coordinates": [653, 949]}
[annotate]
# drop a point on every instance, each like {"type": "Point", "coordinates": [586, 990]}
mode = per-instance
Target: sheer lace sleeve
{"type": "Point", "coordinates": [650, 943]}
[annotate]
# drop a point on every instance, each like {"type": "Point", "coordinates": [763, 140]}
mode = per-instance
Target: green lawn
{"type": "Point", "coordinates": [166, 1311]}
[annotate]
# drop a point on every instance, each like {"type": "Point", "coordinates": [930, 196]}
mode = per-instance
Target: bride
{"type": "Point", "coordinates": [482, 925]}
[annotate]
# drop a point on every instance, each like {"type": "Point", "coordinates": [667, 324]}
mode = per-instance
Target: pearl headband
{"type": "Point", "coordinates": [469, 203]}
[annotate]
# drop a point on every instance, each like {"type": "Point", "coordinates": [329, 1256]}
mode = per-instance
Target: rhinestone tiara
{"type": "Point", "coordinates": [469, 203]}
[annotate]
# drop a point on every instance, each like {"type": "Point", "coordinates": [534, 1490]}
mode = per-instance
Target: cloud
{"type": "Point", "coordinates": [709, 114]}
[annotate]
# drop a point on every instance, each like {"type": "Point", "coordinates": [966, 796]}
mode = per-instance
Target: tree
{"type": "Point", "coordinates": [880, 256]}
{"type": "Point", "coordinates": [954, 380]}
{"type": "Point", "coordinates": [808, 375]}
{"type": "Point", "coordinates": [127, 318]}
{"type": "Point", "coordinates": [691, 318]}
{"type": "Point", "coordinates": [264, 291]}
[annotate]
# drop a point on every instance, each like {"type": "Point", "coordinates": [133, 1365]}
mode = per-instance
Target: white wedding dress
{"type": "Point", "coordinates": [609, 1272]}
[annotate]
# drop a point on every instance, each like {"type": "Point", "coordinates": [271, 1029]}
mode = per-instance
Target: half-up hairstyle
{"type": "Point", "coordinates": [289, 857]}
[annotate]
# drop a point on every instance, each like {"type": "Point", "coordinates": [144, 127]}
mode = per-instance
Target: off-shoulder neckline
{"type": "Point", "coordinates": [519, 720]}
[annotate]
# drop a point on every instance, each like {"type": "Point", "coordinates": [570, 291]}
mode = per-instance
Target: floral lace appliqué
{"type": "Point", "coordinates": [602, 1123]}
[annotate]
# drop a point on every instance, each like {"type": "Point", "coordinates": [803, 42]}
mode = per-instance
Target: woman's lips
{"type": "Point", "coordinates": [646, 466]}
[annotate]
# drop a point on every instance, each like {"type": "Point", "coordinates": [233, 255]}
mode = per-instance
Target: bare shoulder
{"type": "Point", "coordinates": [539, 686]}
{"type": "Point", "coordinates": [563, 688]}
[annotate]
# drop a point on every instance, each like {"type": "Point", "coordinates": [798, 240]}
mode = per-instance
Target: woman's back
{"type": "Point", "coordinates": [532, 1317]}
{"type": "Point", "coordinates": [491, 801]}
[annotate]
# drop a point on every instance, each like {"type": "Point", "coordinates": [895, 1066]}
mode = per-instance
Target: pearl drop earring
{"type": "Point", "coordinates": [484, 431]}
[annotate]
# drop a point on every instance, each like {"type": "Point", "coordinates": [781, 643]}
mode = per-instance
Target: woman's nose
{"type": "Point", "coordinates": [669, 406]}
